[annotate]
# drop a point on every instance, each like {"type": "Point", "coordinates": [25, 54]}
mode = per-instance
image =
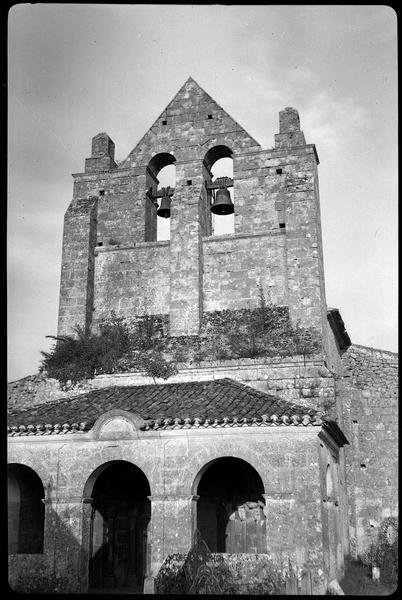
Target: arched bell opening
{"type": "Point", "coordinates": [218, 165]}
{"type": "Point", "coordinates": [160, 184]}
{"type": "Point", "coordinates": [230, 507]}
{"type": "Point", "coordinates": [26, 511]}
{"type": "Point", "coordinates": [120, 517]}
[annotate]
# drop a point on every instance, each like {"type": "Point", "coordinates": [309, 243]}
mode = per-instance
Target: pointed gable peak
{"type": "Point", "coordinates": [191, 84]}
{"type": "Point", "coordinates": [193, 104]}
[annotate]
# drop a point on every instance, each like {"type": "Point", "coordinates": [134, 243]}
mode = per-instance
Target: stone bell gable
{"type": "Point", "coordinates": [113, 261]}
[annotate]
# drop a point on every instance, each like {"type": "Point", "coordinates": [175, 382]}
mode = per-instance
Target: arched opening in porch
{"type": "Point", "coordinates": [120, 516]}
{"type": "Point", "coordinates": [26, 511]}
{"type": "Point", "coordinates": [230, 508]}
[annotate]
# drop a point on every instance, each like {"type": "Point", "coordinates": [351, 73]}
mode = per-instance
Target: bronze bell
{"type": "Point", "coordinates": [222, 205]}
{"type": "Point", "coordinates": [164, 208]}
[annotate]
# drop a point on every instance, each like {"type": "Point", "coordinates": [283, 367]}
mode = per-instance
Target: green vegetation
{"type": "Point", "coordinates": [143, 344]}
{"type": "Point", "coordinates": [202, 572]}
{"type": "Point", "coordinates": [118, 347]}
{"type": "Point", "coordinates": [383, 554]}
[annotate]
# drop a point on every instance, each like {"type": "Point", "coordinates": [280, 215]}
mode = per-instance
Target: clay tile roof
{"type": "Point", "coordinates": [221, 402]}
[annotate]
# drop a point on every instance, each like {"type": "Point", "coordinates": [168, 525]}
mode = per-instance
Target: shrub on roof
{"type": "Point", "coordinates": [143, 343]}
{"type": "Point", "coordinates": [116, 347]}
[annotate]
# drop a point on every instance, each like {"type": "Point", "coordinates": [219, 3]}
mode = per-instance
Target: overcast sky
{"type": "Point", "coordinates": [77, 70]}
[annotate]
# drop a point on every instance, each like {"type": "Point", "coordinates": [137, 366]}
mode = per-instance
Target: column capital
{"type": "Point", "coordinates": [68, 500]}
{"type": "Point", "coordinates": [171, 497]}
{"type": "Point", "coordinates": [278, 496]}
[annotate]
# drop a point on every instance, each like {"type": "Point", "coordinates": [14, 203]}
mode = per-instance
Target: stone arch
{"type": "Point", "coordinates": [157, 163]}
{"type": "Point", "coordinates": [220, 156]}
{"type": "Point", "coordinates": [117, 424]}
{"type": "Point", "coordinates": [197, 465]}
{"type": "Point", "coordinates": [26, 510]}
{"type": "Point", "coordinates": [97, 463]}
{"type": "Point", "coordinates": [230, 506]}
{"type": "Point", "coordinates": [215, 153]}
{"type": "Point", "coordinates": [117, 532]}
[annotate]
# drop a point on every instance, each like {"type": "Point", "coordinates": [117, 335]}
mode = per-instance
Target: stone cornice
{"type": "Point", "coordinates": [239, 236]}
{"type": "Point", "coordinates": [234, 422]}
{"type": "Point", "coordinates": [46, 429]}
{"type": "Point", "coordinates": [175, 423]}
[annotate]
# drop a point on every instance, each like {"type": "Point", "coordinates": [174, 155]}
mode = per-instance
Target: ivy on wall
{"type": "Point", "coordinates": [117, 347]}
{"type": "Point", "coordinates": [384, 552]}
{"type": "Point", "coordinates": [143, 344]}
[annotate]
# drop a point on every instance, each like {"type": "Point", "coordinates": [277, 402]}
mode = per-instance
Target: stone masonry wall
{"type": "Point", "coordinates": [77, 271]}
{"type": "Point", "coordinates": [298, 379]}
{"type": "Point", "coordinates": [121, 203]}
{"type": "Point", "coordinates": [132, 281]}
{"type": "Point", "coordinates": [275, 195]}
{"type": "Point", "coordinates": [368, 414]}
{"type": "Point", "coordinates": [236, 267]}
{"type": "Point", "coordinates": [287, 460]}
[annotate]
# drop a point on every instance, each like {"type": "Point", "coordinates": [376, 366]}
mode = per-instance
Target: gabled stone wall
{"type": "Point", "coordinates": [276, 244]}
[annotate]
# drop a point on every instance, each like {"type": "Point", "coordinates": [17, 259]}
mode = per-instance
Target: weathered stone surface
{"type": "Point", "coordinates": [171, 462]}
{"type": "Point", "coordinates": [322, 500]}
{"type": "Point", "coordinates": [368, 413]}
{"type": "Point", "coordinates": [274, 246]}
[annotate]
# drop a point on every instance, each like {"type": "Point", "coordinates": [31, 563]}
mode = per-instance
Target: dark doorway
{"type": "Point", "coordinates": [120, 519]}
{"type": "Point", "coordinates": [26, 511]}
{"type": "Point", "coordinates": [230, 508]}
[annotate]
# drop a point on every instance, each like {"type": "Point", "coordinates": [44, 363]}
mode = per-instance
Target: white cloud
{"type": "Point", "coordinates": [335, 122]}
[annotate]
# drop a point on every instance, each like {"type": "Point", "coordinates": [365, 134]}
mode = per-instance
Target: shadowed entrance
{"type": "Point", "coordinates": [230, 509]}
{"type": "Point", "coordinates": [119, 527]}
{"type": "Point", "coordinates": [26, 511]}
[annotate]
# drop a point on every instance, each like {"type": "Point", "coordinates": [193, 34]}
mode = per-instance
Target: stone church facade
{"type": "Point", "coordinates": [290, 457]}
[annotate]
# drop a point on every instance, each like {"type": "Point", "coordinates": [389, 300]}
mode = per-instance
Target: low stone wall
{"type": "Point", "coordinates": [30, 573]}
{"type": "Point", "coordinates": [239, 574]}
{"type": "Point", "coordinates": [36, 389]}
{"type": "Point", "coordinates": [298, 379]}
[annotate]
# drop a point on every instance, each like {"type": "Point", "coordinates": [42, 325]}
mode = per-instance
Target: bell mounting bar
{"type": "Point", "coordinates": [219, 183]}
{"type": "Point", "coordinates": [165, 191]}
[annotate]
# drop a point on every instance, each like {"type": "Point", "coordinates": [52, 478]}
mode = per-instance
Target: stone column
{"type": "Point", "coordinates": [300, 205]}
{"type": "Point", "coordinates": [294, 533]}
{"type": "Point", "coordinates": [172, 528]}
{"type": "Point", "coordinates": [131, 573]}
{"type": "Point", "coordinates": [67, 524]}
{"type": "Point", "coordinates": [186, 251]}
{"type": "Point", "coordinates": [280, 533]}
{"type": "Point", "coordinates": [86, 508]}
{"type": "Point", "coordinates": [109, 579]}
{"type": "Point", "coordinates": [77, 267]}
